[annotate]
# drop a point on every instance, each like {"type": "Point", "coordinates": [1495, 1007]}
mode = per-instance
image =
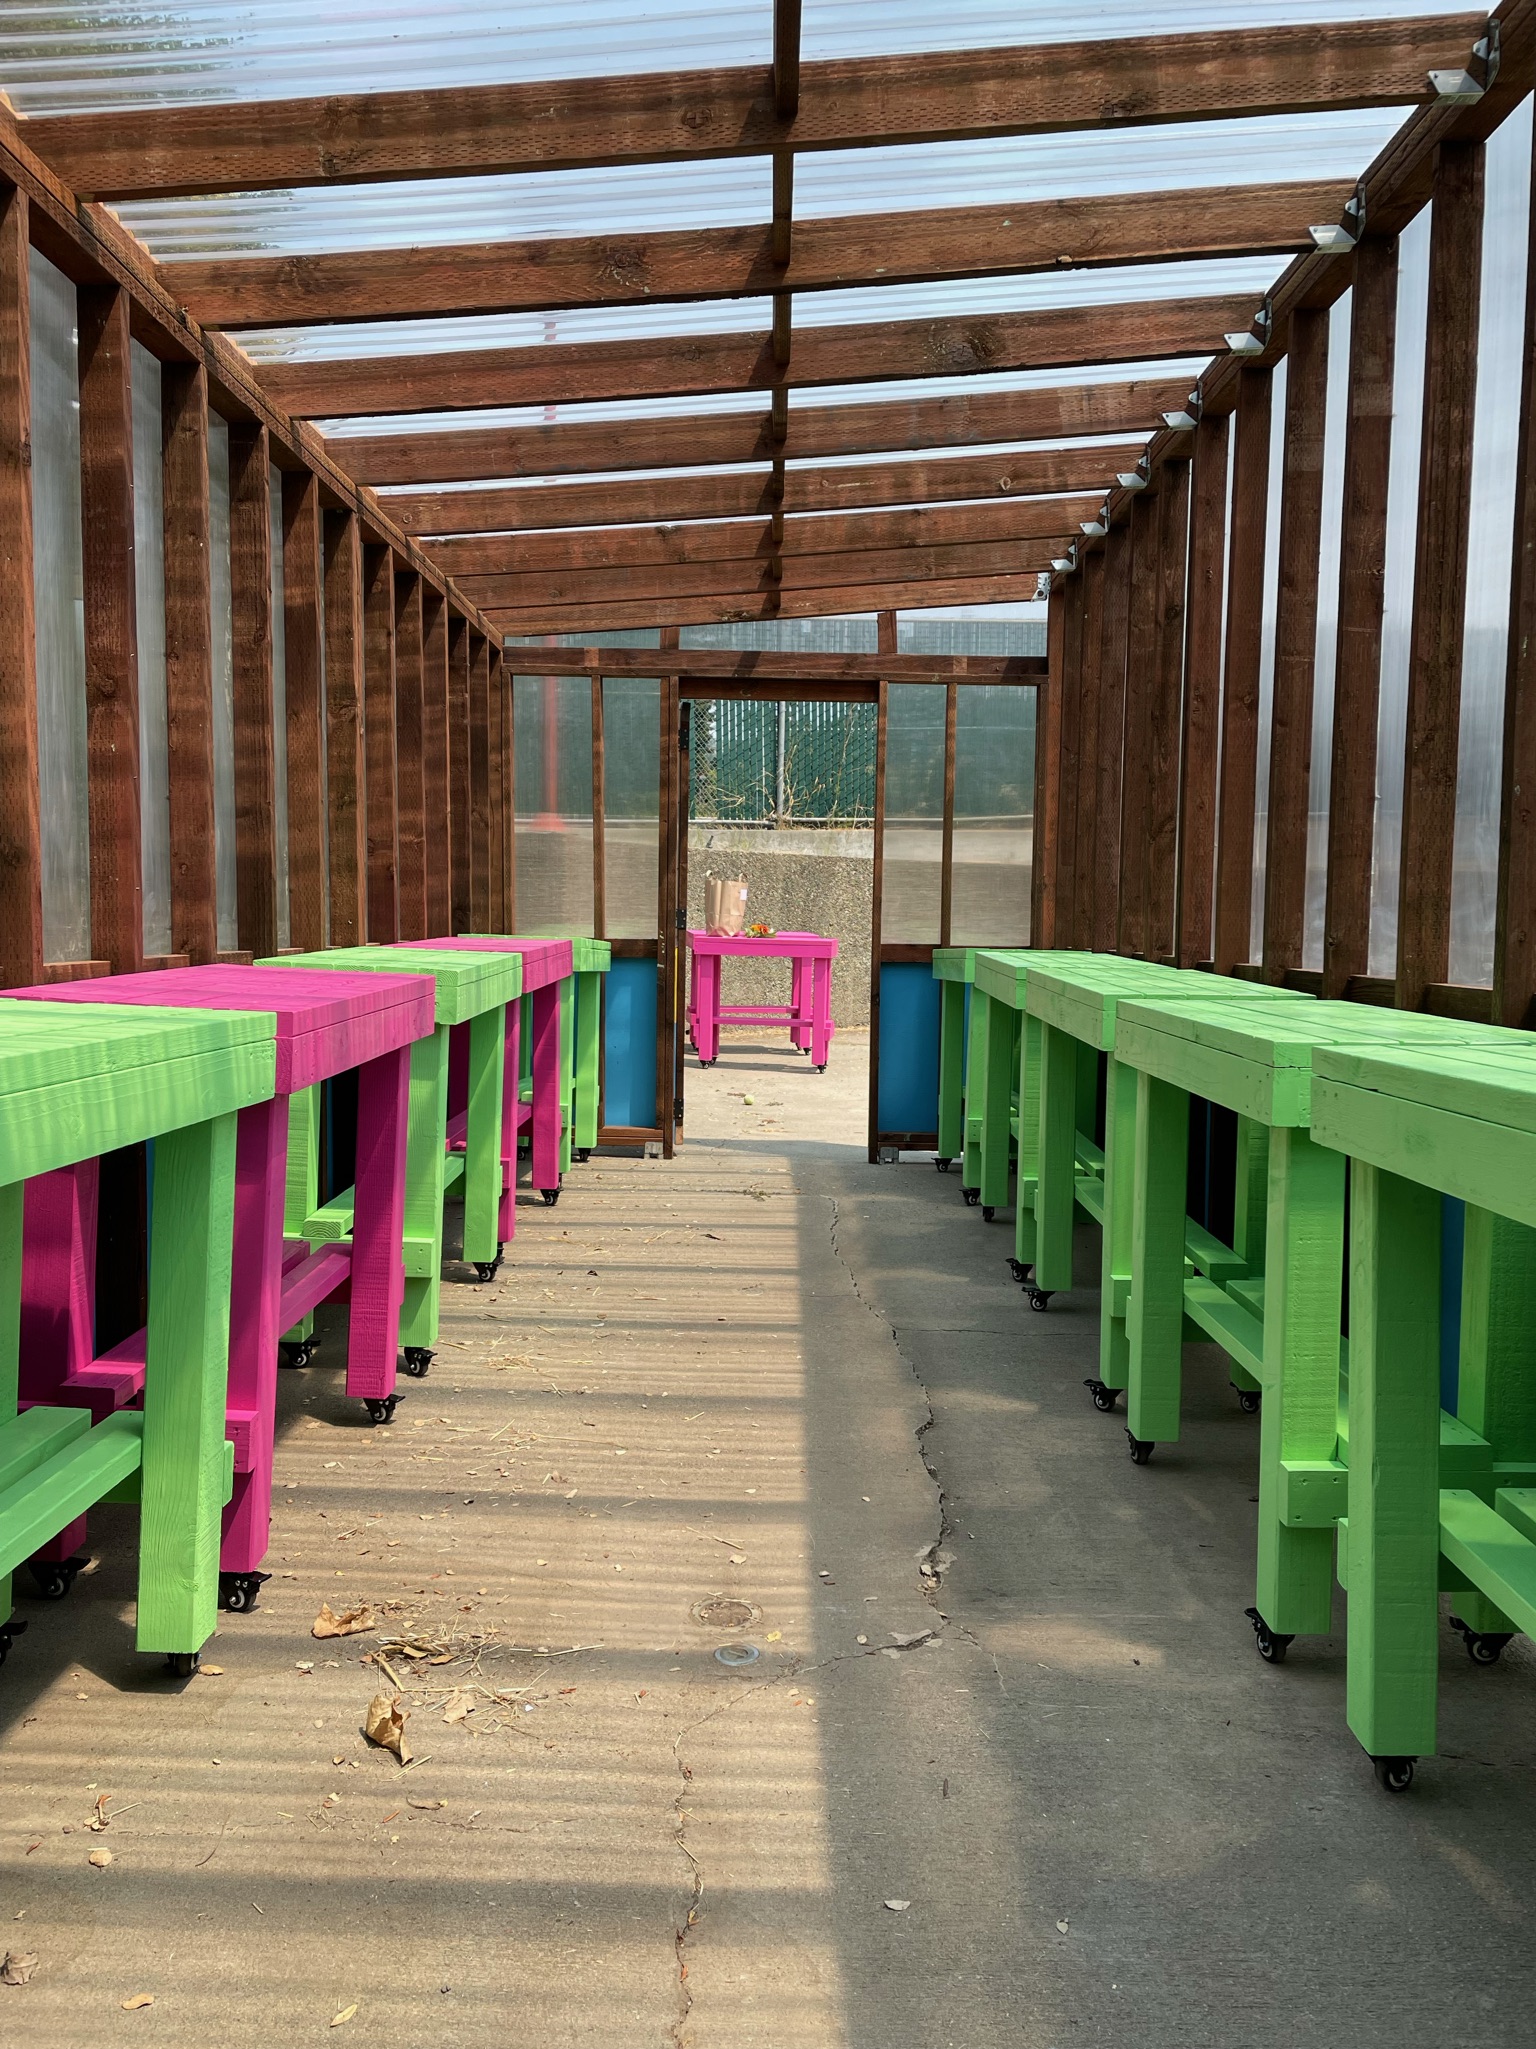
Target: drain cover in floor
{"type": "Point", "coordinates": [724, 1611]}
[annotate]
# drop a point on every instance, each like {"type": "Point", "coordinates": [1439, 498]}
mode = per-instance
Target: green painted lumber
{"type": "Point", "coordinates": [48, 1497]}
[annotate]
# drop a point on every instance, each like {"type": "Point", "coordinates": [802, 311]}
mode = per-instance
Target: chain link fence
{"type": "Point", "coordinates": [793, 764]}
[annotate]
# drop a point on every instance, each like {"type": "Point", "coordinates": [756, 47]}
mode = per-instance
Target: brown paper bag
{"type": "Point", "coordinates": [725, 905]}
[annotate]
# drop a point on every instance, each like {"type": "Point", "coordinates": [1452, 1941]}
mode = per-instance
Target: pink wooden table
{"type": "Point", "coordinates": [326, 1024]}
{"type": "Point", "coordinates": [809, 1011]}
{"type": "Point", "coordinates": [546, 964]}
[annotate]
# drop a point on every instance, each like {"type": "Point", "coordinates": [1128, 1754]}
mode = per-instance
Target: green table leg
{"type": "Point", "coordinates": [426, 1118]}
{"type": "Point", "coordinates": [482, 1155]}
{"type": "Point", "coordinates": [1119, 1203]}
{"type": "Point", "coordinates": [1250, 1207]}
{"type": "Point", "coordinates": [1302, 1299]}
{"type": "Point", "coordinates": [975, 1071]}
{"type": "Point", "coordinates": [1027, 1182]}
{"type": "Point", "coordinates": [1056, 1194]}
{"type": "Point", "coordinates": [1155, 1317]}
{"type": "Point", "coordinates": [1394, 1463]}
{"type": "Point", "coordinates": [185, 1379]}
{"type": "Point", "coordinates": [1496, 1395]}
{"type": "Point", "coordinates": [11, 1197]}
{"type": "Point", "coordinates": [996, 1106]}
{"type": "Point", "coordinates": [589, 1019]}
{"type": "Point", "coordinates": [301, 1194]}
{"type": "Point", "coordinates": [951, 1070]}
{"type": "Point", "coordinates": [567, 1072]}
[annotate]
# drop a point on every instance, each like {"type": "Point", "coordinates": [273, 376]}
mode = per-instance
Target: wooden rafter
{"type": "Point", "coordinates": [764, 665]}
{"type": "Point", "coordinates": [831, 601]}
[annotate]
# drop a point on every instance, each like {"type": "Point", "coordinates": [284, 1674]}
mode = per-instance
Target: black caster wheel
{"type": "Point", "coordinates": [9, 1631]}
{"type": "Point", "coordinates": [381, 1408]}
{"type": "Point", "coordinates": [1104, 1398]}
{"type": "Point", "coordinates": [182, 1664]}
{"type": "Point", "coordinates": [1483, 1645]}
{"type": "Point", "coordinates": [238, 1590]}
{"type": "Point", "coordinates": [972, 1197]}
{"type": "Point", "coordinates": [486, 1269]}
{"type": "Point", "coordinates": [417, 1360]}
{"type": "Point", "coordinates": [551, 1196]}
{"type": "Point", "coordinates": [300, 1354]}
{"type": "Point", "coordinates": [583, 1153]}
{"type": "Point", "coordinates": [1271, 1645]}
{"type": "Point", "coordinates": [944, 1165]}
{"type": "Point", "coordinates": [988, 1212]}
{"type": "Point", "coordinates": [1393, 1774]}
{"type": "Point", "coordinates": [1039, 1298]}
{"type": "Point", "coordinates": [1141, 1448]}
{"type": "Point", "coordinates": [823, 1068]}
{"type": "Point", "coordinates": [53, 1579]}
{"type": "Point", "coordinates": [1021, 1270]}
{"type": "Point", "coordinates": [1249, 1400]}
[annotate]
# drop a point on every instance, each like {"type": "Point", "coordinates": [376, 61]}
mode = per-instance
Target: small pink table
{"type": "Point", "coordinates": [326, 1024]}
{"type": "Point", "coordinates": [808, 1013]}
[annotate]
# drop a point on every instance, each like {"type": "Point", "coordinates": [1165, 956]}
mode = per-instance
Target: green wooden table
{"type": "Point", "coordinates": [954, 969]}
{"type": "Point", "coordinates": [590, 961]}
{"type": "Point", "coordinates": [77, 1081]}
{"type": "Point", "coordinates": [1422, 1515]}
{"type": "Point", "coordinates": [472, 989]}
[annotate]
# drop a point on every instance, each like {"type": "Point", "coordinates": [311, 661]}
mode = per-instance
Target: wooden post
{"type": "Point", "coordinates": [1514, 946]}
{"type": "Point", "coordinates": [111, 630]}
{"type": "Point", "coordinates": [1440, 573]}
{"type": "Point", "coordinates": [947, 840]}
{"type": "Point", "coordinates": [1357, 669]}
{"type": "Point", "coordinates": [436, 815]}
{"type": "Point", "coordinates": [509, 814]}
{"type": "Point", "coordinates": [669, 947]}
{"type": "Point", "coordinates": [1069, 716]}
{"type": "Point", "coordinates": [1290, 734]}
{"type": "Point", "coordinates": [1202, 694]}
{"type": "Point", "coordinates": [344, 727]}
{"type": "Point", "coordinates": [1161, 851]}
{"type": "Point", "coordinates": [303, 674]}
{"type": "Point", "coordinates": [189, 661]}
{"type": "Point", "coordinates": [1240, 696]}
{"type": "Point", "coordinates": [379, 745]}
{"type": "Point", "coordinates": [496, 805]}
{"type": "Point", "coordinates": [461, 908]}
{"type": "Point", "coordinates": [1090, 672]}
{"type": "Point", "coordinates": [479, 785]}
{"type": "Point", "coordinates": [1042, 880]}
{"type": "Point", "coordinates": [410, 728]}
{"type": "Point", "coordinates": [21, 861]}
{"type": "Point", "coordinates": [1111, 736]}
{"type": "Point", "coordinates": [599, 808]}
{"type": "Point", "coordinates": [250, 586]}
{"type": "Point", "coordinates": [885, 627]}
{"type": "Point", "coordinates": [1140, 680]}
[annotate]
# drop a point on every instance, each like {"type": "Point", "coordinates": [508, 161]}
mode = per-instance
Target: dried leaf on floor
{"type": "Point", "coordinates": [385, 1723]}
{"type": "Point", "coordinates": [351, 1622]}
{"type": "Point", "coordinates": [339, 2019]}
{"type": "Point", "coordinates": [138, 1999]}
{"type": "Point", "coordinates": [898, 1906]}
{"type": "Point", "coordinates": [905, 1641]}
{"type": "Point", "coordinates": [18, 1966]}
{"type": "Point", "coordinates": [100, 1858]}
{"type": "Point", "coordinates": [458, 1706]}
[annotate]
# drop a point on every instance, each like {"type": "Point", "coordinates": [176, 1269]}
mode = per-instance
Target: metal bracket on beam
{"type": "Point", "coordinates": [1255, 340]}
{"type": "Point", "coordinates": [1464, 88]}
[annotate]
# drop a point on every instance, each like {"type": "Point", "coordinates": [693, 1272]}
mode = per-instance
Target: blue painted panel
{"type": "Point", "coordinates": [629, 1043]}
{"type": "Point", "coordinates": [909, 1048]}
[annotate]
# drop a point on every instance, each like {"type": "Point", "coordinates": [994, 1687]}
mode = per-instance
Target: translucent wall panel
{"type": "Point", "coordinates": [1271, 603]}
{"type": "Point", "coordinates": [279, 708]}
{"type": "Point", "coordinates": [552, 720]}
{"type": "Point", "coordinates": [149, 602]}
{"type": "Point", "coordinates": [631, 804]}
{"type": "Point", "coordinates": [994, 814]}
{"type": "Point", "coordinates": [1490, 548]}
{"type": "Point", "coordinates": [1397, 613]}
{"type": "Point", "coordinates": [223, 683]}
{"type": "Point", "coordinates": [60, 601]}
{"type": "Point", "coordinates": [914, 814]}
{"type": "Point", "coordinates": [1327, 634]}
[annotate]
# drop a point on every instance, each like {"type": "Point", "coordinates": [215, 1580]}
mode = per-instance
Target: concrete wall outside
{"type": "Point", "coordinates": [799, 879]}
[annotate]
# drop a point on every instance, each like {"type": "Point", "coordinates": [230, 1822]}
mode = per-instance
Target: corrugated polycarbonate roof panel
{"type": "Point", "coordinates": [54, 59]}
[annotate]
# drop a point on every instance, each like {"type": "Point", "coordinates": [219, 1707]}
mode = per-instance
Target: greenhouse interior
{"type": "Point", "coordinates": [1110, 769]}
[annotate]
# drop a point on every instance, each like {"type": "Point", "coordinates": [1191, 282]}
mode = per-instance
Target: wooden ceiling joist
{"type": "Point", "coordinates": [668, 366]}
{"type": "Point", "coordinates": [856, 102]}
{"type": "Point", "coordinates": [689, 440]}
{"type": "Point", "coordinates": [736, 262]}
{"type": "Point", "coordinates": [765, 665]}
{"type": "Point", "coordinates": [829, 602]}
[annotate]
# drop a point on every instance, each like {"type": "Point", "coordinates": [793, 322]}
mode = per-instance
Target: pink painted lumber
{"type": "Point", "coordinates": [808, 1012]}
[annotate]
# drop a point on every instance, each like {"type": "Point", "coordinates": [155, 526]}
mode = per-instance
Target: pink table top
{"type": "Point", "coordinates": [544, 960]}
{"type": "Point", "coordinates": [326, 1022]}
{"type": "Point", "coordinates": [810, 945]}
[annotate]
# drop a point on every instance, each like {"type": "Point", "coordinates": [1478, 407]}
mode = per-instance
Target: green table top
{"type": "Point", "coordinates": [1082, 998]}
{"type": "Point", "coordinates": [81, 1079]}
{"type": "Point", "coordinates": [1257, 1057]}
{"type": "Point", "coordinates": [954, 963]}
{"type": "Point", "coordinates": [590, 956]}
{"type": "Point", "coordinates": [1006, 972]}
{"type": "Point", "coordinates": [468, 984]}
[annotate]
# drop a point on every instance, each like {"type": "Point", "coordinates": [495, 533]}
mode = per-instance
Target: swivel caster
{"type": "Point", "coordinates": [823, 1068]}
{"type": "Point", "coordinates": [706, 1063]}
{"type": "Point", "coordinates": [1039, 1298]}
{"type": "Point", "coordinates": [972, 1197]}
{"type": "Point", "coordinates": [182, 1664]}
{"type": "Point", "coordinates": [381, 1408]}
{"type": "Point", "coordinates": [1393, 1774]}
{"type": "Point", "coordinates": [300, 1354]}
{"type": "Point", "coordinates": [54, 1577]}
{"type": "Point", "coordinates": [551, 1196]}
{"type": "Point", "coordinates": [1141, 1448]}
{"type": "Point", "coordinates": [9, 1631]}
{"type": "Point", "coordinates": [485, 1269]}
{"type": "Point", "coordinates": [1272, 1646]}
{"type": "Point", "coordinates": [1021, 1271]}
{"type": "Point", "coordinates": [1249, 1400]}
{"type": "Point", "coordinates": [417, 1360]}
{"type": "Point", "coordinates": [238, 1590]}
{"type": "Point", "coordinates": [944, 1165]}
{"type": "Point", "coordinates": [583, 1153]}
{"type": "Point", "coordinates": [988, 1212]}
{"type": "Point", "coordinates": [1483, 1645]}
{"type": "Point", "coordinates": [1104, 1398]}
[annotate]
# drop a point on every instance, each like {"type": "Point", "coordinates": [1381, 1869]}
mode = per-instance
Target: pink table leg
{"type": "Point", "coordinates": [511, 1088]}
{"type": "Point", "coordinates": [693, 999]}
{"type": "Point", "coordinates": [58, 1300]}
{"type": "Point", "coordinates": [821, 1010]}
{"type": "Point", "coordinates": [378, 1272]}
{"type": "Point", "coordinates": [709, 1016]}
{"type": "Point", "coordinates": [546, 1086]}
{"type": "Point", "coordinates": [255, 1301]}
{"type": "Point", "coordinates": [799, 1034]}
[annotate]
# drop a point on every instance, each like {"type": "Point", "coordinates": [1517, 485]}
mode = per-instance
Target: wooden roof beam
{"type": "Point", "coordinates": [847, 103]}
{"type": "Point", "coordinates": [764, 665]}
{"type": "Point", "coordinates": [832, 601]}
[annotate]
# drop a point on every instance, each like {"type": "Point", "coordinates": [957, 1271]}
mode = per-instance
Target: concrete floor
{"type": "Point", "coordinates": [1001, 1674]}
